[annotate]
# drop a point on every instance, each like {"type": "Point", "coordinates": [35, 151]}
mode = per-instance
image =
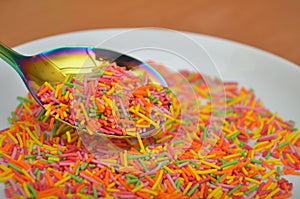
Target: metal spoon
{"type": "Point", "coordinates": [53, 65]}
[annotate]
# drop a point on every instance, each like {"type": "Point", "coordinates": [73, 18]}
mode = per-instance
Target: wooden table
{"type": "Point", "coordinates": [272, 25]}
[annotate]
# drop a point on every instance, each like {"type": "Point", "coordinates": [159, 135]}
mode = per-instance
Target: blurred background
{"type": "Point", "coordinates": [271, 25]}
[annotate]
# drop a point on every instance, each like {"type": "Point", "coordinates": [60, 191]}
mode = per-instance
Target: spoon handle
{"type": "Point", "coordinates": [10, 56]}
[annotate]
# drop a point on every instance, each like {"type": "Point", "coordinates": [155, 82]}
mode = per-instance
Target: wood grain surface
{"type": "Point", "coordinates": [272, 25]}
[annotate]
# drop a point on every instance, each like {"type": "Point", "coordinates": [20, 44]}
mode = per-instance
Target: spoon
{"type": "Point", "coordinates": [54, 65]}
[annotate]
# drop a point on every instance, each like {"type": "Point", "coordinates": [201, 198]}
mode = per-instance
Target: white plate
{"type": "Point", "coordinates": [275, 80]}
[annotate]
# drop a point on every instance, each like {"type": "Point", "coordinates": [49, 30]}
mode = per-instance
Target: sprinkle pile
{"type": "Point", "coordinates": [44, 158]}
{"type": "Point", "coordinates": [110, 100]}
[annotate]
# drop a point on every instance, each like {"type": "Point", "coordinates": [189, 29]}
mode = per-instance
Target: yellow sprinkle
{"type": "Point", "coordinates": [125, 158]}
{"type": "Point", "coordinates": [252, 180]}
{"type": "Point", "coordinates": [140, 142]}
{"type": "Point", "coordinates": [239, 194]}
{"type": "Point", "coordinates": [268, 174]}
{"type": "Point", "coordinates": [201, 172]}
{"type": "Point", "coordinates": [27, 175]}
{"type": "Point", "coordinates": [219, 193]}
{"type": "Point", "coordinates": [89, 130]}
{"type": "Point", "coordinates": [210, 164]}
{"type": "Point", "coordinates": [231, 156]}
{"type": "Point", "coordinates": [19, 139]}
{"type": "Point", "coordinates": [111, 185]}
{"type": "Point", "coordinates": [62, 180]}
{"type": "Point", "coordinates": [33, 137]}
{"type": "Point", "coordinates": [53, 159]}
{"type": "Point", "coordinates": [5, 178]}
{"type": "Point", "coordinates": [160, 174]}
{"type": "Point", "coordinates": [245, 171]}
{"type": "Point", "coordinates": [149, 191]}
{"type": "Point", "coordinates": [209, 156]}
{"type": "Point", "coordinates": [164, 138]}
{"type": "Point", "coordinates": [144, 117]}
{"type": "Point", "coordinates": [194, 172]}
{"type": "Point", "coordinates": [12, 137]}
{"type": "Point", "coordinates": [270, 195]}
{"type": "Point", "coordinates": [272, 186]}
{"type": "Point", "coordinates": [68, 136]}
{"type": "Point", "coordinates": [107, 73]}
{"type": "Point", "coordinates": [168, 169]}
{"type": "Point", "coordinates": [251, 186]}
{"type": "Point", "coordinates": [49, 147]}
{"type": "Point", "coordinates": [213, 193]}
{"type": "Point", "coordinates": [109, 160]}
{"type": "Point", "coordinates": [276, 161]}
{"type": "Point", "coordinates": [84, 112]}
{"type": "Point", "coordinates": [78, 142]}
{"type": "Point", "coordinates": [272, 118]}
{"type": "Point", "coordinates": [113, 190]}
{"type": "Point", "coordinates": [138, 188]}
{"type": "Point", "coordinates": [257, 167]}
{"type": "Point", "coordinates": [290, 158]}
{"type": "Point", "coordinates": [48, 85]}
{"type": "Point", "coordinates": [27, 108]}
{"type": "Point", "coordinates": [25, 188]}
{"type": "Point", "coordinates": [187, 188]}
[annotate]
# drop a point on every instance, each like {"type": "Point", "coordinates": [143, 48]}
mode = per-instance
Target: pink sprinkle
{"type": "Point", "coordinates": [267, 137]}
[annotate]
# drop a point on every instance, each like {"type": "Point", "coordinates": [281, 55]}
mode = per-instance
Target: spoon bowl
{"type": "Point", "coordinates": [55, 65]}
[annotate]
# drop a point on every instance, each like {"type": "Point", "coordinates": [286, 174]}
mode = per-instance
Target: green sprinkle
{"type": "Point", "coordinates": [33, 191]}
{"type": "Point", "coordinates": [14, 116]}
{"type": "Point", "coordinates": [143, 164]}
{"type": "Point", "coordinates": [128, 175]}
{"type": "Point", "coordinates": [177, 183]}
{"type": "Point", "coordinates": [79, 95]}
{"type": "Point", "coordinates": [69, 84]}
{"type": "Point", "coordinates": [173, 129]}
{"type": "Point", "coordinates": [63, 91]}
{"type": "Point", "coordinates": [77, 171]}
{"type": "Point", "coordinates": [283, 144]}
{"type": "Point", "coordinates": [229, 163]}
{"type": "Point", "coordinates": [234, 135]}
{"type": "Point", "coordinates": [95, 193]}
{"type": "Point", "coordinates": [222, 160]}
{"type": "Point", "coordinates": [251, 190]}
{"type": "Point", "coordinates": [164, 163]}
{"type": "Point", "coordinates": [51, 156]}
{"type": "Point", "coordinates": [78, 179]}
{"type": "Point", "coordinates": [92, 165]}
{"type": "Point", "coordinates": [178, 142]}
{"type": "Point", "coordinates": [41, 114]}
{"type": "Point", "coordinates": [14, 167]}
{"type": "Point", "coordinates": [155, 99]}
{"type": "Point", "coordinates": [84, 165]}
{"type": "Point", "coordinates": [255, 161]}
{"type": "Point", "coordinates": [131, 181]}
{"type": "Point", "coordinates": [38, 176]}
{"type": "Point", "coordinates": [268, 155]}
{"type": "Point", "coordinates": [193, 189]}
{"type": "Point", "coordinates": [9, 120]}
{"type": "Point", "coordinates": [24, 99]}
{"type": "Point", "coordinates": [97, 74]}
{"type": "Point", "coordinates": [138, 156]}
{"type": "Point", "coordinates": [83, 189]}
{"type": "Point", "coordinates": [190, 161]}
{"type": "Point", "coordinates": [219, 178]}
{"type": "Point", "coordinates": [137, 184]}
{"type": "Point", "coordinates": [234, 189]}
{"type": "Point", "coordinates": [35, 171]}
{"type": "Point", "coordinates": [30, 156]}
{"type": "Point", "coordinates": [279, 170]}
{"type": "Point", "coordinates": [204, 134]}
{"type": "Point", "coordinates": [190, 77]}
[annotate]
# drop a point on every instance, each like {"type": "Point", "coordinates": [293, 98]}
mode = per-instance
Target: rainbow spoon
{"type": "Point", "coordinates": [54, 65]}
